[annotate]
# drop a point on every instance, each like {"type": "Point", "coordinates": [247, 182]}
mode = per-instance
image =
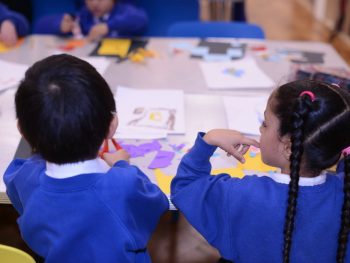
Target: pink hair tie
{"type": "Point", "coordinates": [309, 93]}
{"type": "Point", "coordinates": [336, 84]}
{"type": "Point", "coordinates": [346, 151]}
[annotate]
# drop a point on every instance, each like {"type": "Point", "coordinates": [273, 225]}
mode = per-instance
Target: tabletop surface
{"type": "Point", "coordinates": [204, 109]}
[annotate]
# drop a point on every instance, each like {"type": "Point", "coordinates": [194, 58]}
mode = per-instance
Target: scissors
{"type": "Point", "coordinates": [105, 148]}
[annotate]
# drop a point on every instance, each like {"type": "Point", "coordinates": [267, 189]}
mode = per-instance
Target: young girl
{"type": "Point", "coordinates": [74, 206]}
{"type": "Point", "coordinates": [299, 215]}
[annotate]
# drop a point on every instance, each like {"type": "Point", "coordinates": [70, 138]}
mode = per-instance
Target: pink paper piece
{"type": "Point", "coordinates": [162, 159]}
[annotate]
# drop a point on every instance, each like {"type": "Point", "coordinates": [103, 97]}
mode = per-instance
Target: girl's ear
{"type": "Point", "coordinates": [112, 127]}
{"type": "Point", "coordinates": [287, 147]}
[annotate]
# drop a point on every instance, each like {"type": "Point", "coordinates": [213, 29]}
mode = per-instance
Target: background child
{"type": "Point", "coordinates": [262, 219]}
{"type": "Point", "coordinates": [12, 26]}
{"type": "Point", "coordinates": [73, 207]}
{"type": "Point", "coordinates": [97, 19]}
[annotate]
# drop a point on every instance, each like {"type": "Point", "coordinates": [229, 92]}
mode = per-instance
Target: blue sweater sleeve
{"type": "Point", "coordinates": [21, 178]}
{"type": "Point", "coordinates": [127, 20]}
{"type": "Point", "coordinates": [202, 198]}
{"type": "Point", "coordinates": [20, 22]}
{"type": "Point", "coordinates": [11, 190]}
{"type": "Point", "coordinates": [50, 24]}
{"type": "Point", "coordinates": [124, 20]}
{"type": "Point", "coordinates": [144, 202]}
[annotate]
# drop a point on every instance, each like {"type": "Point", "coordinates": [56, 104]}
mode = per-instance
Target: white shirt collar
{"type": "Point", "coordinates": [303, 181]}
{"type": "Point", "coordinates": [72, 169]}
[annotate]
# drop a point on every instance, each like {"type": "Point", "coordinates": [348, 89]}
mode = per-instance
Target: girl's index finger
{"type": "Point", "coordinates": [250, 141]}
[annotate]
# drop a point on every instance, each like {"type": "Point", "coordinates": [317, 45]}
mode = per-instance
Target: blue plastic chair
{"type": "Point", "coordinates": [163, 13]}
{"type": "Point", "coordinates": [215, 29]}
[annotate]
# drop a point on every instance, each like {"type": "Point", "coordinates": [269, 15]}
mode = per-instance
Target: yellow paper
{"type": "Point", "coordinates": [252, 164]}
{"type": "Point", "coordinates": [255, 164]}
{"type": "Point", "coordinates": [163, 180]}
{"type": "Point", "coordinates": [111, 46]}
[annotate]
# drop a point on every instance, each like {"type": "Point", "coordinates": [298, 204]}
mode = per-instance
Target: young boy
{"type": "Point", "coordinates": [97, 19]}
{"type": "Point", "coordinates": [73, 207]}
{"type": "Point", "coordinates": [12, 26]}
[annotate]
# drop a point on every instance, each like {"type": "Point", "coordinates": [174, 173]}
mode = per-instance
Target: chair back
{"type": "Point", "coordinates": [163, 13]}
{"type": "Point", "coordinates": [215, 29]}
{"type": "Point", "coordinates": [13, 255]}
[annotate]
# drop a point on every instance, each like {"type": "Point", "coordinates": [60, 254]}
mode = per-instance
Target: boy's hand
{"type": "Point", "coordinates": [67, 24]}
{"type": "Point", "coordinates": [8, 33]}
{"type": "Point", "coordinates": [98, 31]}
{"type": "Point", "coordinates": [112, 158]}
{"type": "Point", "coordinates": [232, 142]}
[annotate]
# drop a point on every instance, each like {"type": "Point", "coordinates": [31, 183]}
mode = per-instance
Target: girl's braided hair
{"type": "Point", "coordinates": [319, 131]}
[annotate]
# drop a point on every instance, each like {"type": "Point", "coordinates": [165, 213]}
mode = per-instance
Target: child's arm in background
{"type": "Point", "coordinates": [13, 25]}
{"type": "Point", "coordinates": [206, 200]}
{"type": "Point", "coordinates": [61, 24]}
{"type": "Point", "coordinates": [125, 21]}
{"type": "Point", "coordinates": [130, 21]}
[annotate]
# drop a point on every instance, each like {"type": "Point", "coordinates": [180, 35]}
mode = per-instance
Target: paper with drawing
{"type": "Point", "coordinates": [150, 112]}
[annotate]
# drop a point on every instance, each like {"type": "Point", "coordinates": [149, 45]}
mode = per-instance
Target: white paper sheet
{"type": "Point", "coordinates": [150, 111]}
{"type": "Point", "coordinates": [245, 114]}
{"type": "Point", "coordinates": [240, 74]}
{"type": "Point", "coordinates": [11, 74]}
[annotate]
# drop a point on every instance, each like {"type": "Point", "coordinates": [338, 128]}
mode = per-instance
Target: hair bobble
{"type": "Point", "coordinates": [309, 93]}
{"type": "Point", "coordinates": [346, 151]}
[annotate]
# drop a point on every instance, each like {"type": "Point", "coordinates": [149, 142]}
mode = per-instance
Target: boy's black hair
{"type": "Point", "coordinates": [319, 131]}
{"type": "Point", "coordinates": [64, 109]}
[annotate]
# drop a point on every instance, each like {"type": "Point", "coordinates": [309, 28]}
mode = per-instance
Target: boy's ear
{"type": "Point", "coordinates": [112, 127]}
{"type": "Point", "coordinates": [19, 128]}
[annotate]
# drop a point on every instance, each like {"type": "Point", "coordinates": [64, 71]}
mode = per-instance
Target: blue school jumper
{"type": "Point", "coordinates": [98, 217]}
{"type": "Point", "coordinates": [123, 20]}
{"type": "Point", "coordinates": [20, 22]}
{"type": "Point", "coordinates": [244, 218]}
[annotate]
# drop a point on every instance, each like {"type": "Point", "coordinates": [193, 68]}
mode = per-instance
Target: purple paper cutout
{"type": "Point", "coordinates": [162, 159]}
{"type": "Point", "coordinates": [150, 147]}
{"type": "Point", "coordinates": [133, 150]}
{"type": "Point", "coordinates": [142, 149]}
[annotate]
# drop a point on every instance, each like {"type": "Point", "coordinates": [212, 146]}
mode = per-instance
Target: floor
{"type": "Point", "coordinates": [175, 241]}
{"type": "Point", "coordinates": [288, 20]}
